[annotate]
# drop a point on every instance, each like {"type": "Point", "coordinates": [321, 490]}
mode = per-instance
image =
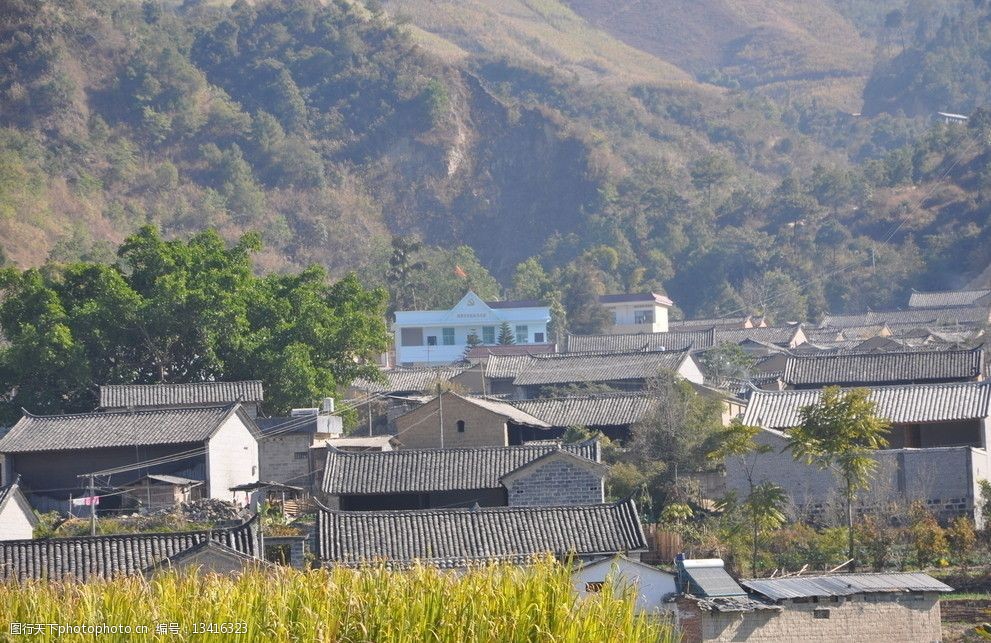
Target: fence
{"type": "Point", "coordinates": [662, 545]}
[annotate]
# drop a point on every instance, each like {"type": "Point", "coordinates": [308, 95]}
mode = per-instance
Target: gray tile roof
{"type": "Point", "coordinates": [628, 342]}
{"type": "Point", "coordinates": [591, 410]}
{"type": "Point", "coordinates": [881, 368]}
{"type": "Point", "coordinates": [508, 411]}
{"type": "Point", "coordinates": [421, 470]}
{"type": "Point", "coordinates": [844, 585]}
{"type": "Point", "coordinates": [104, 557]}
{"type": "Point", "coordinates": [478, 534]}
{"type": "Point", "coordinates": [597, 367]}
{"type": "Point", "coordinates": [199, 393]}
{"type": "Point", "coordinates": [717, 322]}
{"type": "Point", "coordinates": [408, 380]}
{"type": "Point", "coordinates": [780, 335]}
{"type": "Point", "coordinates": [117, 429]}
{"type": "Point", "coordinates": [967, 315]}
{"type": "Point", "coordinates": [947, 298]}
{"type": "Point", "coordinates": [651, 297]}
{"type": "Point", "coordinates": [898, 404]}
{"type": "Point", "coordinates": [502, 367]}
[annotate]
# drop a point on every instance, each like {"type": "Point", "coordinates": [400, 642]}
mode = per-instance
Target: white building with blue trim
{"type": "Point", "coordinates": [441, 336]}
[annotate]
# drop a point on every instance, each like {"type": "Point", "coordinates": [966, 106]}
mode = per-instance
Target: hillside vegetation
{"type": "Point", "coordinates": [546, 149]}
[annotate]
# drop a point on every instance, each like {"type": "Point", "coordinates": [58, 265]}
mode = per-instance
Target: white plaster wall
{"type": "Point", "coordinates": [231, 458]}
{"type": "Point", "coordinates": [651, 584]}
{"type": "Point", "coordinates": [14, 523]}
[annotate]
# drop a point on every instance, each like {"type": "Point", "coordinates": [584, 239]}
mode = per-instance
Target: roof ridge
{"type": "Point", "coordinates": [154, 534]}
{"type": "Point", "coordinates": [469, 510]}
{"type": "Point", "coordinates": [136, 411]}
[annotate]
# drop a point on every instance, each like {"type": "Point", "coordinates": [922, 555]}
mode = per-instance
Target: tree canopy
{"type": "Point", "coordinates": [181, 311]}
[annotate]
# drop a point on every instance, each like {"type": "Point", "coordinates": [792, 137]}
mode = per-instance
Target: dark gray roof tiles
{"type": "Point", "coordinates": [116, 429]}
{"type": "Point", "coordinates": [105, 557]}
{"type": "Point", "coordinates": [405, 380]}
{"type": "Point", "coordinates": [568, 368]}
{"type": "Point", "coordinates": [780, 335]}
{"type": "Point", "coordinates": [880, 368]}
{"type": "Point", "coordinates": [948, 298]}
{"type": "Point", "coordinates": [199, 393]}
{"type": "Point", "coordinates": [628, 342]}
{"type": "Point", "coordinates": [717, 322]}
{"type": "Point", "coordinates": [898, 404]}
{"type": "Point", "coordinates": [422, 470]}
{"type": "Point", "coordinates": [597, 410]}
{"type": "Point", "coordinates": [844, 585]}
{"type": "Point", "coordinates": [949, 316]}
{"type": "Point", "coordinates": [471, 535]}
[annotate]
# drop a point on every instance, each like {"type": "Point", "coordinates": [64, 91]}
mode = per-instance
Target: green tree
{"type": "Point", "coordinates": [404, 268]}
{"type": "Point", "coordinates": [181, 311]}
{"type": "Point", "coordinates": [709, 171]}
{"type": "Point", "coordinates": [840, 432]}
{"type": "Point", "coordinates": [764, 506]}
{"type": "Point", "coordinates": [506, 336]}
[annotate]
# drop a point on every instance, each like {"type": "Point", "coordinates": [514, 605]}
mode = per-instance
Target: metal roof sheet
{"type": "Point", "coordinates": [897, 404]}
{"type": "Point", "coordinates": [844, 585]}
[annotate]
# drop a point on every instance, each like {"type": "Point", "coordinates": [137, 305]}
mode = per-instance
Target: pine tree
{"type": "Point", "coordinates": [506, 334]}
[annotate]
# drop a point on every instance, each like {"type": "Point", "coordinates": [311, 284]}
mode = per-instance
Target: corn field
{"type": "Point", "coordinates": [496, 603]}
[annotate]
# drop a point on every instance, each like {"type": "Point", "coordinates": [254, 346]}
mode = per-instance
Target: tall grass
{"type": "Point", "coordinates": [497, 603]}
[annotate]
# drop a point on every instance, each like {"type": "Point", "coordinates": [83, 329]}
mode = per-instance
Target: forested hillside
{"type": "Point", "coordinates": [548, 149]}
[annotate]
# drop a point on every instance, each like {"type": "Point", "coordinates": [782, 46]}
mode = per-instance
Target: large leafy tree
{"type": "Point", "coordinates": [181, 311]}
{"type": "Point", "coordinates": [840, 433]}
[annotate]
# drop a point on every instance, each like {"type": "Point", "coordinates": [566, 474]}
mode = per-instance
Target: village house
{"type": "Point", "coordinates": [695, 340]}
{"type": "Point", "coordinates": [949, 298]}
{"type": "Point", "coordinates": [441, 336]}
{"type": "Point", "coordinates": [529, 376]}
{"type": "Point", "coordinates": [950, 316]}
{"type": "Point", "coordinates": [146, 397]}
{"type": "Point", "coordinates": [17, 519]}
{"type": "Point", "coordinates": [612, 414]}
{"type": "Point", "coordinates": [88, 558]}
{"type": "Point", "coordinates": [853, 608]}
{"type": "Point", "coordinates": [637, 313]}
{"type": "Point", "coordinates": [938, 451]}
{"type": "Point", "coordinates": [217, 445]}
{"type": "Point", "coordinates": [877, 369]}
{"type": "Point", "coordinates": [531, 474]}
{"type": "Point", "coordinates": [747, 321]}
{"type": "Point", "coordinates": [651, 586]}
{"type": "Point", "coordinates": [777, 336]}
{"type": "Point", "coordinates": [468, 422]}
{"type": "Point", "coordinates": [458, 538]}
{"type": "Point", "coordinates": [286, 445]}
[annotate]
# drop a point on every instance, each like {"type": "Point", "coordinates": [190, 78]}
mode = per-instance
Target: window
{"type": "Point", "coordinates": [522, 335]}
{"type": "Point", "coordinates": [301, 455]}
{"type": "Point", "coordinates": [538, 338]}
{"type": "Point", "coordinates": [643, 316]}
{"type": "Point", "coordinates": [411, 337]}
{"type": "Point", "coordinates": [822, 612]}
{"type": "Point", "coordinates": [448, 334]}
{"type": "Point", "coordinates": [461, 426]}
{"type": "Point", "coordinates": [594, 587]}
{"type": "Point", "coordinates": [431, 340]}
{"type": "Point", "coordinates": [488, 335]}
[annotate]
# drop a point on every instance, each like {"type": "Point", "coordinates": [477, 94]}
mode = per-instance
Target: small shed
{"type": "Point", "coordinates": [157, 491]}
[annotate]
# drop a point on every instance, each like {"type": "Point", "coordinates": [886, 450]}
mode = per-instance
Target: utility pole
{"type": "Point", "coordinates": [440, 403]}
{"type": "Point", "coordinates": [92, 507]}
{"type": "Point", "coordinates": [368, 409]}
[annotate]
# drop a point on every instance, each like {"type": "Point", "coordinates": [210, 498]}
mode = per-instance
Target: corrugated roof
{"type": "Point", "coordinates": [421, 470]}
{"type": "Point", "coordinates": [105, 557]}
{"type": "Point", "coordinates": [844, 585]}
{"type": "Point", "coordinates": [117, 429]}
{"type": "Point", "coordinates": [597, 367]}
{"type": "Point", "coordinates": [400, 380]}
{"type": "Point", "coordinates": [946, 298]}
{"type": "Point", "coordinates": [880, 368]}
{"type": "Point", "coordinates": [592, 410]}
{"type": "Point", "coordinates": [897, 404]}
{"type": "Point", "coordinates": [479, 534]}
{"type": "Point", "coordinates": [628, 342]}
{"type": "Point", "coordinates": [202, 393]}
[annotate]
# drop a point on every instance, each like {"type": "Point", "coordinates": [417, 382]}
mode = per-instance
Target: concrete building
{"type": "Point", "coordinates": [651, 585]}
{"type": "Point", "coordinates": [286, 445]}
{"type": "Point", "coordinates": [441, 336]}
{"type": "Point", "coordinates": [637, 313]}
{"type": "Point", "coordinates": [217, 445]}
{"type": "Point", "coordinates": [940, 438]}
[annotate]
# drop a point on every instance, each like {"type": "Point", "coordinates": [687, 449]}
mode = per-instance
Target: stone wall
{"type": "Point", "coordinates": [555, 481]}
{"type": "Point", "coordinates": [856, 619]}
{"type": "Point", "coordinates": [286, 458]}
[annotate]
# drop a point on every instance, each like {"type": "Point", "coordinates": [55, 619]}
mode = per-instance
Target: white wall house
{"type": "Point", "coordinates": [651, 585]}
{"type": "Point", "coordinates": [440, 336]}
{"type": "Point", "coordinates": [637, 313]}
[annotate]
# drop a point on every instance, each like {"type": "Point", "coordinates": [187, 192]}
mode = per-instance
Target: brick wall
{"type": "Point", "coordinates": [555, 481]}
{"type": "Point", "coordinates": [279, 462]}
{"type": "Point", "coordinates": [856, 619]}
{"type": "Point", "coordinates": [420, 428]}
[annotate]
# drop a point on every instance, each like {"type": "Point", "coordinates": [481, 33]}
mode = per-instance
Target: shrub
{"type": "Point", "coordinates": [962, 537]}
{"type": "Point", "coordinates": [928, 539]}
